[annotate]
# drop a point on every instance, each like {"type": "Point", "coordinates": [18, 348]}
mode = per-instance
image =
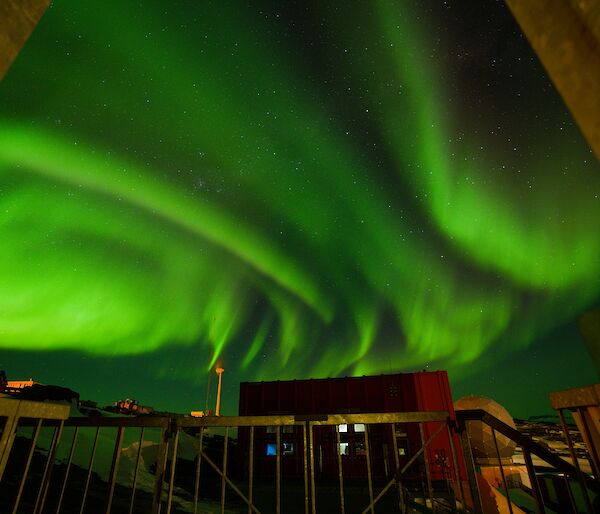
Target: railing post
{"type": "Point", "coordinates": [580, 477]}
{"type": "Point", "coordinates": [224, 476]}
{"type": "Point", "coordinates": [198, 470]}
{"type": "Point", "coordinates": [401, 504]}
{"type": "Point", "coordinates": [11, 412]}
{"type": "Point", "coordinates": [278, 470]}
{"type": "Point", "coordinates": [535, 486]}
{"type": "Point", "coordinates": [369, 474]}
{"type": "Point", "coordinates": [135, 471]}
{"type": "Point", "coordinates": [459, 484]}
{"type": "Point", "coordinates": [509, 503]}
{"type": "Point", "coordinates": [312, 466]}
{"type": "Point", "coordinates": [89, 473]}
{"type": "Point", "coordinates": [114, 467]}
{"type": "Point", "coordinates": [251, 470]}
{"type": "Point", "coordinates": [175, 444]}
{"type": "Point", "coordinates": [161, 460]}
{"type": "Point", "coordinates": [340, 471]}
{"type": "Point", "coordinates": [594, 460]}
{"type": "Point", "coordinates": [570, 494]}
{"type": "Point", "coordinates": [70, 460]}
{"type": "Point", "coordinates": [427, 471]}
{"type": "Point", "coordinates": [470, 465]}
{"type": "Point", "coordinates": [34, 439]}
{"type": "Point", "coordinates": [43, 491]}
{"type": "Point", "coordinates": [305, 456]}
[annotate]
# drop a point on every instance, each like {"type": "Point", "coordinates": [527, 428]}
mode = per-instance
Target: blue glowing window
{"type": "Point", "coordinates": [271, 449]}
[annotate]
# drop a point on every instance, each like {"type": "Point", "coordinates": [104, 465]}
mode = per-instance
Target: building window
{"type": "Point", "coordinates": [271, 429]}
{"type": "Point", "coordinates": [343, 428]}
{"type": "Point", "coordinates": [287, 448]}
{"type": "Point", "coordinates": [402, 447]}
{"type": "Point", "coordinates": [400, 430]}
{"type": "Point", "coordinates": [271, 449]}
{"type": "Point", "coordinates": [360, 448]}
{"type": "Point", "coordinates": [288, 429]}
{"type": "Point", "coordinates": [359, 427]}
{"type": "Point", "coordinates": [344, 449]}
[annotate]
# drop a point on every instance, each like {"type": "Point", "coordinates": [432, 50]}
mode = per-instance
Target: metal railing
{"type": "Point", "coordinates": [219, 464]}
{"type": "Point", "coordinates": [307, 425]}
{"type": "Point", "coordinates": [561, 469]}
{"type": "Point", "coordinates": [48, 490]}
{"type": "Point", "coordinates": [58, 483]}
{"type": "Point", "coordinates": [12, 411]}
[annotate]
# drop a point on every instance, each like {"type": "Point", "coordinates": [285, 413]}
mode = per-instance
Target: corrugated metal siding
{"type": "Point", "coordinates": [426, 391]}
{"type": "Point", "coordinates": [405, 392]}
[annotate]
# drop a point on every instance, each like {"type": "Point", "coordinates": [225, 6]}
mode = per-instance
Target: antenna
{"type": "Point", "coordinates": [207, 392]}
{"type": "Point", "coordinates": [210, 338]}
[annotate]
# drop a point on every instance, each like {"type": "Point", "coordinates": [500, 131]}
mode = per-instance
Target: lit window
{"type": "Point", "coordinates": [359, 427]}
{"type": "Point", "coordinates": [344, 450]}
{"type": "Point", "coordinates": [271, 449]}
{"type": "Point", "coordinates": [401, 451]}
{"type": "Point", "coordinates": [343, 428]}
{"type": "Point", "coordinates": [287, 448]}
{"type": "Point", "coordinates": [271, 429]}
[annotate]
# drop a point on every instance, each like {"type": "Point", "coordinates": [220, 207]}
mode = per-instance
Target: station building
{"type": "Point", "coordinates": [313, 399]}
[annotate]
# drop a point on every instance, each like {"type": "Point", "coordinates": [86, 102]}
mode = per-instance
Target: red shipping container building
{"type": "Point", "coordinates": [405, 392]}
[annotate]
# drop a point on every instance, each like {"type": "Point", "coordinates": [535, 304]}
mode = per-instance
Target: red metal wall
{"type": "Point", "coordinates": [405, 392]}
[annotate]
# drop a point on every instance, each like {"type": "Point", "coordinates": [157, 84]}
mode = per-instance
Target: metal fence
{"type": "Point", "coordinates": [176, 465]}
{"type": "Point", "coordinates": [235, 465]}
{"type": "Point", "coordinates": [12, 412]}
{"type": "Point", "coordinates": [554, 484]}
{"type": "Point", "coordinates": [307, 425]}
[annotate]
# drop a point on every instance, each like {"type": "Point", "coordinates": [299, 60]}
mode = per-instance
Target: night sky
{"type": "Point", "coordinates": [292, 189]}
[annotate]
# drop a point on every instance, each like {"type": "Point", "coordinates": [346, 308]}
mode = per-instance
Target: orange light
{"type": "Point", "coordinates": [219, 372]}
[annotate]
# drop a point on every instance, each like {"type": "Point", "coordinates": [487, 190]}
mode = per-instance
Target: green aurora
{"type": "Point", "coordinates": [291, 191]}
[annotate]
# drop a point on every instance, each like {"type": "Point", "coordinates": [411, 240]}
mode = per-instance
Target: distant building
{"type": "Point", "coordinates": [405, 392]}
{"type": "Point", "coordinates": [20, 384]}
{"type": "Point", "coordinates": [35, 391]}
{"type": "Point", "coordinates": [14, 386]}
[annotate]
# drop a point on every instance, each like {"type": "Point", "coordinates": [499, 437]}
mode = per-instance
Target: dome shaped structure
{"type": "Point", "coordinates": [481, 435]}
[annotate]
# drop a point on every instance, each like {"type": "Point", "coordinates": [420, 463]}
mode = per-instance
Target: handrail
{"type": "Point", "coordinates": [318, 419]}
{"type": "Point", "coordinates": [172, 426]}
{"type": "Point", "coordinates": [526, 443]}
{"type": "Point", "coordinates": [124, 422]}
{"type": "Point", "coordinates": [16, 410]}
